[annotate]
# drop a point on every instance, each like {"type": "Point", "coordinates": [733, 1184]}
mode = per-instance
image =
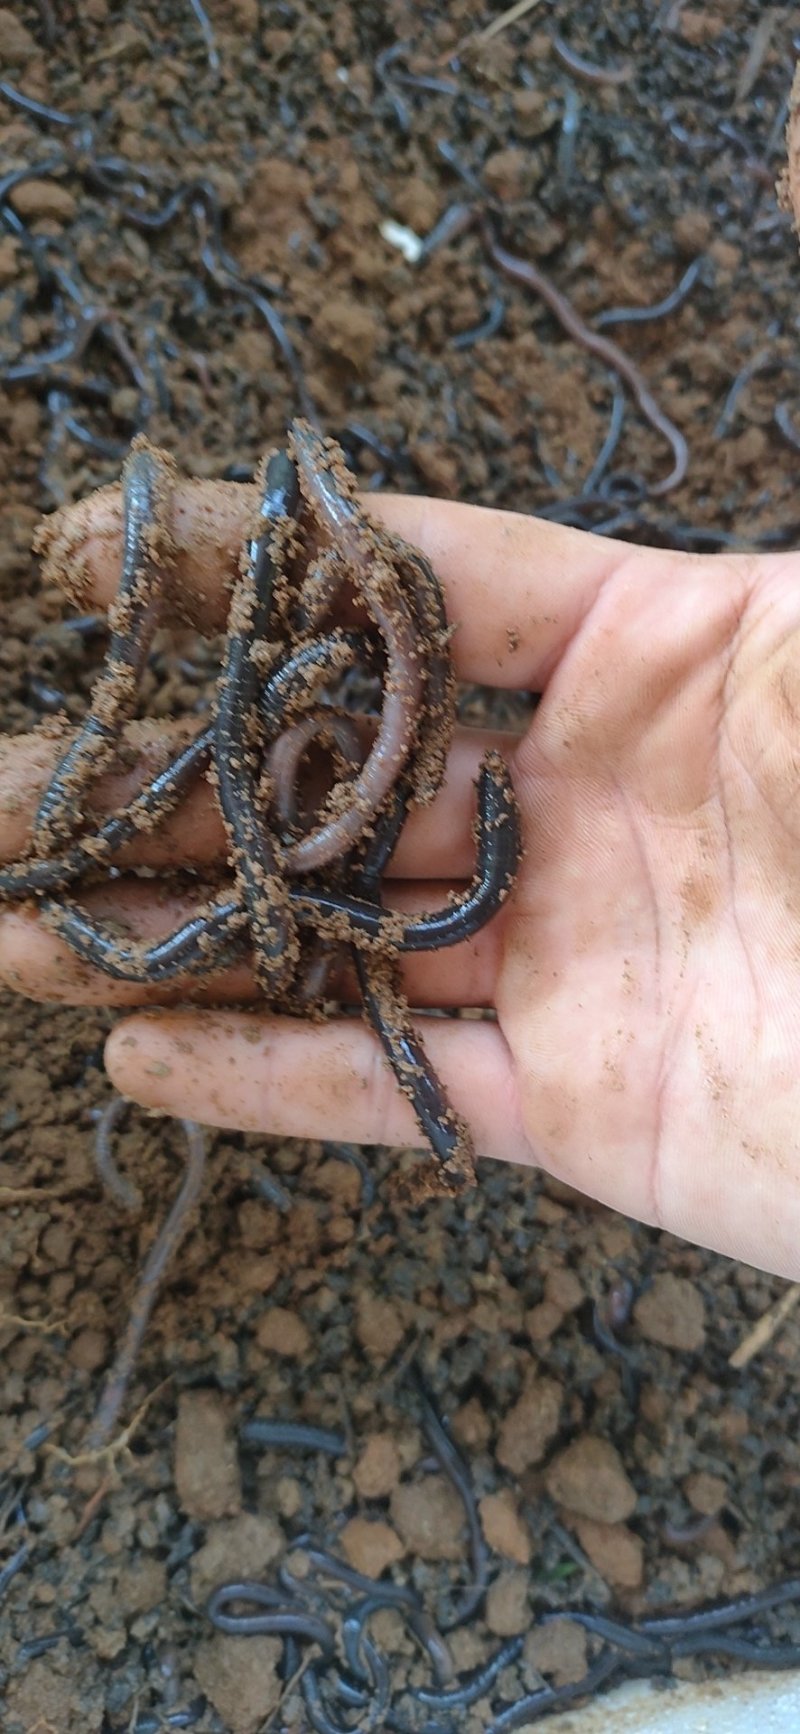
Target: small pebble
{"type": "Point", "coordinates": [672, 1312]}
{"type": "Point", "coordinates": [588, 1478]}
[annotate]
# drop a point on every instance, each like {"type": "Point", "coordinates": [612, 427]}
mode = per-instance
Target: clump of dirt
{"type": "Point", "coordinates": [294, 1295]}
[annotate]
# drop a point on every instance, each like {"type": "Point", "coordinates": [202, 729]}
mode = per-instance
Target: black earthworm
{"type": "Point", "coordinates": [476, 1685]}
{"type": "Point", "coordinates": [456, 1471]}
{"type": "Point", "coordinates": [147, 481]}
{"type": "Point", "coordinates": [659, 310]}
{"type": "Point", "coordinates": [292, 1436]}
{"type": "Point", "coordinates": [278, 1619]}
{"type": "Point", "coordinates": [251, 615]}
{"type": "Point", "coordinates": [169, 1238]}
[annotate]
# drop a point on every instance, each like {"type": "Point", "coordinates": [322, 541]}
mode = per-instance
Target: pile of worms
{"type": "Point", "coordinates": [321, 593]}
{"type": "Point", "coordinates": [321, 1610]}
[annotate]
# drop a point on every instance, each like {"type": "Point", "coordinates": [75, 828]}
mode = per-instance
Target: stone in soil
{"type": "Point", "coordinates": [430, 1518]}
{"type": "Point", "coordinates": [206, 1464]}
{"type": "Point", "coordinates": [615, 1552]}
{"type": "Point", "coordinates": [508, 1604]}
{"type": "Point", "coordinates": [245, 1547]}
{"type": "Point", "coordinates": [370, 1545]}
{"type": "Point", "coordinates": [589, 1478]}
{"type": "Point", "coordinates": [672, 1313]}
{"type": "Point", "coordinates": [377, 1471]}
{"type": "Point", "coordinates": [240, 1678]}
{"type": "Point", "coordinates": [505, 1530]}
{"type": "Point", "coordinates": [559, 1651]}
{"type": "Point", "coordinates": [528, 1428]}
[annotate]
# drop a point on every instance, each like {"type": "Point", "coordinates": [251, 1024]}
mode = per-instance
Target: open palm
{"type": "Point", "coordinates": [646, 971]}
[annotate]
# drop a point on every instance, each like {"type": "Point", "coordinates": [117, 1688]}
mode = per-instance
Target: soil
{"type": "Point", "coordinates": [634, 1477]}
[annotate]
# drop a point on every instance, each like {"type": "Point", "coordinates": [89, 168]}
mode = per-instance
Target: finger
{"type": "Point", "coordinates": [269, 1074]}
{"type": "Point", "coordinates": [35, 962]}
{"type": "Point", "coordinates": [516, 588]}
{"type": "Point", "coordinates": [436, 842]}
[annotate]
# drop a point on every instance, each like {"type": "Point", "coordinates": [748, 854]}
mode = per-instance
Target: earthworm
{"type": "Point", "coordinates": [285, 756]}
{"type": "Point", "coordinates": [382, 63]}
{"type": "Point", "coordinates": [47, 361]}
{"type": "Point", "coordinates": [724, 1644]}
{"type": "Point", "coordinates": [420, 1623]}
{"type": "Point", "coordinates": [783, 421]}
{"type": "Point", "coordinates": [9, 1571]}
{"type": "Point", "coordinates": [113, 449]}
{"type": "Point", "coordinates": [686, 1534]}
{"type": "Point", "coordinates": [587, 69]}
{"type": "Point", "coordinates": [159, 1257]}
{"type": "Point", "coordinates": [147, 479]}
{"type": "Point", "coordinates": [440, 1126]}
{"type": "Point", "coordinates": [193, 948]}
{"type": "Point", "coordinates": [122, 1190]}
{"type": "Point", "coordinates": [296, 680]}
{"type": "Point", "coordinates": [364, 436]}
{"type": "Point", "coordinates": [454, 221]}
{"type": "Point", "coordinates": [29, 104]}
{"type": "Point", "coordinates": [476, 1685]}
{"type": "Point", "coordinates": [280, 1621]}
{"type": "Point", "coordinates": [344, 521]}
{"type": "Point", "coordinates": [728, 1614]}
{"type": "Point", "coordinates": [348, 1153]}
{"type": "Point", "coordinates": [250, 622]}
{"type": "Point", "coordinates": [498, 848]}
{"type": "Point", "coordinates": [457, 1473]}
{"type": "Point", "coordinates": [570, 122]}
{"type": "Point", "coordinates": [320, 1719]}
{"type": "Point", "coordinates": [224, 273]}
{"type": "Point", "coordinates": [46, 697]}
{"type": "Point", "coordinates": [292, 1436]}
{"type": "Point", "coordinates": [660, 309]}
{"type": "Point", "coordinates": [171, 1719]}
{"type": "Point", "coordinates": [204, 22]}
{"type": "Point", "coordinates": [489, 326]}
{"type": "Point", "coordinates": [404, 683]}
{"type": "Point", "coordinates": [610, 442]}
{"type": "Point", "coordinates": [526, 272]}
{"type": "Point", "coordinates": [436, 723]}
{"type": "Point", "coordinates": [148, 808]}
{"type": "Point", "coordinates": [763, 362]}
{"type": "Point", "coordinates": [637, 1643]}
{"type": "Point", "coordinates": [552, 1697]}
{"type": "Point", "coordinates": [266, 1185]}
{"type": "Point", "coordinates": [384, 1593]}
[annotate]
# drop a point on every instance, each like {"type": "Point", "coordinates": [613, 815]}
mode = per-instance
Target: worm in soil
{"type": "Point", "coordinates": [587, 69]}
{"type": "Point", "coordinates": [488, 327]}
{"type": "Point", "coordinates": [157, 1262]}
{"type": "Point", "coordinates": [659, 309]}
{"type": "Point", "coordinates": [292, 1436]}
{"type": "Point", "coordinates": [277, 1620]}
{"type": "Point", "coordinates": [458, 1474]}
{"type": "Point", "coordinates": [525, 272]}
{"type": "Point", "coordinates": [477, 1684]}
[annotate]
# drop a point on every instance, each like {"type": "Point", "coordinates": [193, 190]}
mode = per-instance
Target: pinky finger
{"type": "Point", "coordinates": [269, 1074]}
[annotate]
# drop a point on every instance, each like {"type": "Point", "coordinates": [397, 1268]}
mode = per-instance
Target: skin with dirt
{"type": "Point", "coordinates": [294, 1297]}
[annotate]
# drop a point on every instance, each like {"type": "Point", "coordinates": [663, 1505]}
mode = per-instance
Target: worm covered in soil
{"type": "Point", "coordinates": [312, 804]}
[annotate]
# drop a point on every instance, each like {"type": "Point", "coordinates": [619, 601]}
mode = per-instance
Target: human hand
{"type": "Point", "coordinates": [645, 972]}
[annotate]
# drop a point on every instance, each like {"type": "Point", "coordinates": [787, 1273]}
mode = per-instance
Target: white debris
{"type": "Point", "coordinates": [403, 239]}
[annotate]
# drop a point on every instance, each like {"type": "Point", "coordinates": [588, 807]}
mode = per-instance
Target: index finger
{"type": "Point", "coordinates": [516, 588]}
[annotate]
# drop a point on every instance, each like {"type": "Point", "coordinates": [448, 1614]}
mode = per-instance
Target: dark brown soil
{"type": "Point", "coordinates": [310, 1309]}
